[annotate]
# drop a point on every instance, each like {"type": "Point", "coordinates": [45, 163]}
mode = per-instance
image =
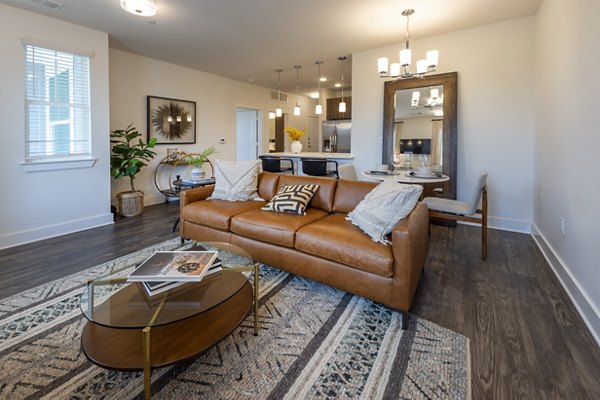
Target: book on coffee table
{"type": "Point", "coordinates": [152, 288]}
{"type": "Point", "coordinates": [177, 266]}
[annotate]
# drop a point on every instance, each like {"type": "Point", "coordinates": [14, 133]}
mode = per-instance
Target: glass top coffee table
{"type": "Point", "coordinates": [127, 330]}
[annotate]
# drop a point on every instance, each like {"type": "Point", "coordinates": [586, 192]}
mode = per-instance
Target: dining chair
{"type": "Point", "coordinates": [347, 171]}
{"type": "Point", "coordinates": [455, 210]}
{"type": "Point", "coordinates": [274, 164]}
{"type": "Point", "coordinates": [320, 167]}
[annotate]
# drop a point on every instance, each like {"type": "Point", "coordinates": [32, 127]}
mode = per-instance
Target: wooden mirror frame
{"type": "Point", "coordinates": [448, 80]}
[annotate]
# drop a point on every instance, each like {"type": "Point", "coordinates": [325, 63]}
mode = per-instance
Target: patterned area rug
{"type": "Point", "coordinates": [314, 342]}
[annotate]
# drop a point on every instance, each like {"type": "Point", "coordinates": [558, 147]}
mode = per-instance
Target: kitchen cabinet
{"type": "Point", "coordinates": [333, 107]}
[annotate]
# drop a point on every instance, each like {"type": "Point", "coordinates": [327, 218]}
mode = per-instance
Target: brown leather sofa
{"type": "Point", "coordinates": [321, 245]}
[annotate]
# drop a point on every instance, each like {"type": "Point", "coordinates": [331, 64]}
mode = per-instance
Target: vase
{"type": "Point", "coordinates": [196, 174]}
{"type": "Point", "coordinates": [296, 147]}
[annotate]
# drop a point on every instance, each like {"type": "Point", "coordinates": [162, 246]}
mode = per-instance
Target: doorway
{"type": "Point", "coordinates": [248, 134]}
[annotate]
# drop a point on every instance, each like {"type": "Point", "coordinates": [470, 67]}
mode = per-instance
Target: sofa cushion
{"type": "Point", "coordinates": [292, 199]}
{"type": "Point", "coordinates": [217, 214]}
{"type": "Point", "coordinates": [323, 199]}
{"type": "Point", "coordinates": [384, 207]}
{"type": "Point", "coordinates": [349, 193]}
{"type": "Point", "coordinates": [335, 238]}
{"type": "Point", "coordinates": [267, 185]}
{"type": "Point", "coordinates": [236, 181]}
{"type": "Point", "coordinates": [271, 227]}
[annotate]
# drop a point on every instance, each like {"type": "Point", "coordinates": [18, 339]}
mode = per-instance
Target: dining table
{"type": "Point", "coordinates": [406, 176]}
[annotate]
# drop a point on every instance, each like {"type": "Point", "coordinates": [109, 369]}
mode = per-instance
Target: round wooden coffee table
{"type": "Point", "coordinates": [127, 330]}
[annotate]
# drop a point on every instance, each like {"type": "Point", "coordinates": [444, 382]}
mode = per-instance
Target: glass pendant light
{"type": "Point", "coordinates": [342, 105]}
{"type": "Point", "coordinates": [297, 106]}
{"type": "Point", "coordinates": [319, 107]}
{"type": "Point", "coordinates": [278, 110]}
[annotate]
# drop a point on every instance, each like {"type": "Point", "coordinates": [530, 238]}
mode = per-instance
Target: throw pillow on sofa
{"type": "Point", "coordinates": [383, 207]}
{"type": "Point", "coordinates": [236, 181]}
{"type": "Point", "coordinates": [292, 199]}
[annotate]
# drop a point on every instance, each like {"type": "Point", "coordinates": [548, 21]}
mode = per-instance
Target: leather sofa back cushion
{"type": "Point", "coordinates": [349, 193]}
{"type": "Point", "coordinates": [323, 199]}
{"type": "Point", "coordinates": [267, 185]}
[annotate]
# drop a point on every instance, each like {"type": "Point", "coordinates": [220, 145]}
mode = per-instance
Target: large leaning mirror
{"type": "Point", "coordinates": [419, 123]}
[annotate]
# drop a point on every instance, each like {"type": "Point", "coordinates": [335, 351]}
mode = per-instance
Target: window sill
{"type": "Point", "coordinates": [56, 165]}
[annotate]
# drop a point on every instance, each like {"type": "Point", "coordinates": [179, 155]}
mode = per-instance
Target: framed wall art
{"type": "Point", "coordinates": [171, 121]}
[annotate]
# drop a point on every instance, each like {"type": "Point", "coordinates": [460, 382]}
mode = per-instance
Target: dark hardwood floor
{"type": "Point", "coordinates": [527, 340]}
{"type": "Point", "coordinates": [27, 266]}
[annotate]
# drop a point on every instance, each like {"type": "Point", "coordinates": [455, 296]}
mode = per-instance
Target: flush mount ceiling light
{"type": "Point", "coordinates": [144, 8]}
{"type": "Point", "coordinates": [400, 70]}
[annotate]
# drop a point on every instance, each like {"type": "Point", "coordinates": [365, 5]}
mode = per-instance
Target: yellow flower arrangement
{"type": "Point", "coordinates": [294, 134]}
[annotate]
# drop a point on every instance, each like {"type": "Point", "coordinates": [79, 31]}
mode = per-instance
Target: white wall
{"type": "Point", "coordinates": [495, 111]}
{"type": "Point", "coordinates": [567, 128]}
{"type": "Point", "coordinates": [134, 77]}
{"type": "Point", "coordinates": [37, 205]}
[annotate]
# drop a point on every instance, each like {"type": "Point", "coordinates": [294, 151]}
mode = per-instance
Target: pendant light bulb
{"type": "Point", "coordinates": [342, 104]}
{"type": "Point", "coordinates": [278, 110]}
{"type": "Point", "coordinates": [319, 107]}
{"type": "Point", "coordinates": [297, 107]}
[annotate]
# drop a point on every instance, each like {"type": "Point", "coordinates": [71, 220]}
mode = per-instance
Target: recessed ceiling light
{"type": "Point", "coordinates": [144, 8]}
{"type": "Point", "coordinates": [323, 79]}
{"type": "Point", "coordinates": [338, 85]}
{"type": "Point", "coordinates": [314, 95]}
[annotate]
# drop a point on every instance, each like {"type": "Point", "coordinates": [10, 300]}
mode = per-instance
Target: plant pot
{"type": "Point", "coordinates": [130, 203]}
{"type": "Point", "coordinates": [296, 146]}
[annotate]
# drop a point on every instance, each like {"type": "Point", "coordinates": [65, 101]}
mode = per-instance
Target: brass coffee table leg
{"type": "Point", "coordinates": [147, 369]}
{"type": "Point", "coordinates": [256, 268]}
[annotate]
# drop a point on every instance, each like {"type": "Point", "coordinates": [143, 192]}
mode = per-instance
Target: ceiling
{"type": "Point", "coordinates": [247, 40]}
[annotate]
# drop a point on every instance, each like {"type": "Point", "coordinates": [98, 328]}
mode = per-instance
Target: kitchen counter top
{"type": "Point", "coordinates": [309, 154]}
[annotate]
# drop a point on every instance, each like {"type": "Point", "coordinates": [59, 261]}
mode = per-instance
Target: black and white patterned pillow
{"type": "Point", "coordinates": [292, 199]}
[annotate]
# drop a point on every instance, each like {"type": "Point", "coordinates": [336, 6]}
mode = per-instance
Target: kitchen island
{"type": "Point", "coordinates": [340, 158]}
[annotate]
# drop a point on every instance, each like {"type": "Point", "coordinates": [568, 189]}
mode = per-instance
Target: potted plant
{"type": "Point", "coordinates": [129, 155]}
{"type": "Point", "coordinates": [295, 135]}
{"type": "Point", "coordinates": [197, 160]}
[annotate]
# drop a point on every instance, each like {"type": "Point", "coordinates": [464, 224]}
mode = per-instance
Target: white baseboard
{"type": "Point", "coordinates": [156, 199]}
{"type": "Point", "coordinates": [584, 305]}
{"type": "Point", "coordinates": [505, 224]}
{"type": "Point", "coordinates": [46, 232]}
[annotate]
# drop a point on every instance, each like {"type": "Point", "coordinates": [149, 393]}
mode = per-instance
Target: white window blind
{"type": "Point", "coordinates": [57, 104]}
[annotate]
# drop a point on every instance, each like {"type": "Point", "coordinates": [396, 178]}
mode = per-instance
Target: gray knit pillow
{"type": "Point", "coordinates": [383, 207]}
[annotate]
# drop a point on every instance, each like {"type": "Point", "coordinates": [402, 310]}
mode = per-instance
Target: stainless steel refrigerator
{"type": "Point", "coordinates": [336, 135]}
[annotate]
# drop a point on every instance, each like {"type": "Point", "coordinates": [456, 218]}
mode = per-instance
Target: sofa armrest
{"type": "Point", "coordinates": [410, 242]}
{"type": "Point", "coordinates": [192, 195]}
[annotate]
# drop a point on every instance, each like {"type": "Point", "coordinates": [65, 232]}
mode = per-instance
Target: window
{"type": "Point", "coordinates": [57, 104]}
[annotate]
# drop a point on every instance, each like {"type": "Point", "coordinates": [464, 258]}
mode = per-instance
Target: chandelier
{"type": "Point", "coordinates": [401, 69]}
{"type": "Point", "coordinates": [432, 101]}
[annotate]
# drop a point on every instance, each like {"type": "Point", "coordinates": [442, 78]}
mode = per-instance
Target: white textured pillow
{"type": "Point", "coordinates": [236, 181]}
{"type": "Point", "coordinates": [383, 207]}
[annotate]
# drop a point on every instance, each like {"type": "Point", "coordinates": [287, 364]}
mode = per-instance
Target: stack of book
{"type": "Point", "coordinates": [166, 270]}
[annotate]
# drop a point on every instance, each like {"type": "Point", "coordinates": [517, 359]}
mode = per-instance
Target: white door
{"type": "Point", "coordinates": [247, 134]}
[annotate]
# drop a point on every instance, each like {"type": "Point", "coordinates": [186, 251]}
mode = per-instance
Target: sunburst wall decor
{"type": "Point", "coordinates": [171, 120]}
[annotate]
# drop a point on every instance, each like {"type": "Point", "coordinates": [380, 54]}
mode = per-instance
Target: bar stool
{"type": "Point", "coordinates": [319, 167]}
{"type": "Point", "coordinates": [273, 164]}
